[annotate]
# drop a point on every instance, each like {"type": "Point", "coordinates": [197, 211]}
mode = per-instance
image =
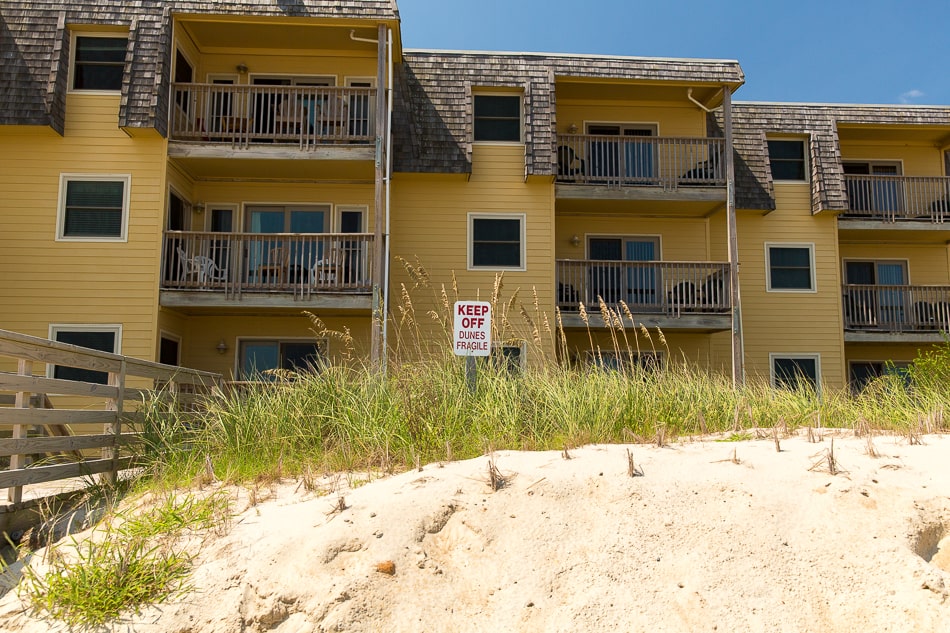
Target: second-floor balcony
{"type": "Point", "coordinates": [675, 295]}
{"type": "Point", "coordinates": [272, 269]}
{"type": "Point", "coordinates": [898, 198]}
{"type": "Point", "coordinates": [917, 312]}
{"type": "Point", "coordinates": [246, 116]}
{"type": "Point", "coordinates": [656, 167]}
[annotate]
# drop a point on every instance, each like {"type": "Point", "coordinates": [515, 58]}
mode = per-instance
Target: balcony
{"type": "Point", "coordinates": [898, 198]}
{"type": "Point", "coordinates": [895, 313]}
{"type": "Point", "coordinates": [653, 168]}
{"type": "Point", "coordinates": [245, 121]}
{"type": "Point", "coordinates": [253, 270]}
{"type": "Point", "coordinates": [670, 295]}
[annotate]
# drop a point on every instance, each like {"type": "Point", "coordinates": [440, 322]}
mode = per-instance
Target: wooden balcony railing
{"type": "Point", "coordinates": [303, 115]}
{"type": "Point", "coordinates": [893, 198]}
{"type": "Point", "coordinates": [627, 161]}
{"type": "Point", "coordinates": [670, 288]}
{"type": "Point", "coordinates": [887, 308]}
{"type": "Point", "coordinates": [290, 263]}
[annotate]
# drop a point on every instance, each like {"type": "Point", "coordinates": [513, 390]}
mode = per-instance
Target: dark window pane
{"type": "Point", "coordinates": [497, 118]}
{"type": "Point", "coordinates": [93, 209]}
{"type": "Point", "coordinates": [100, 63]}
{"type": "Point", "coordinates": [507, 230]}
{"type": "Point", "coordinates": [790, 268]}
{"type": "Point", "coordinates": [496, 242]}
{"type": "Point", "coordinates": [102, 341]}
{"type": "Point", "coordinates": [300, 356]}
{"type": "Point", "coordinates": [793, 372]}
{"type": "Point", "coordinates": [787, 159]}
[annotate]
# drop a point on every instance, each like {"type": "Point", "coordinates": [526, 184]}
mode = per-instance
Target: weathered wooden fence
{"type": "Point", "coordinates": [30, 426]}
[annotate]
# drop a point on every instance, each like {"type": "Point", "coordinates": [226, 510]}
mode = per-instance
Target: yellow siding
{"type": "Point", "coordinates": [672, 118]}
{"type": "Point", "coordinates": [45, 281]}
{"type": "Point", "coordinates": [926, 263]}
{"type": "Point", "coordinates": [203, 333]}
{"type": "Point", "coordinates": [319, 64]}
{"type": "Point", "coordinates": [680, 239]}
{"type": "Point", "coordinates": [881, 352]}
{"type": "Point", "coordinates": [695, 348]}
{"type": "Point", "coordinates": [242, 194]}
{"type": "Point", "coordinates": [916, 159]}
{"type": "Point", "coordinates": [791, 322]}
{"type": "Point", "coordinates": [430, 222]}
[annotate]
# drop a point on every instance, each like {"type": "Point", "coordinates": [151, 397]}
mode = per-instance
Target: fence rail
{"type": "Point", "coordinates": [895, 308]}
{"type": "Point", "coordinates": [657, 161]}
{"type": "Point", "coordinates": [301, 264]}
{"type": "Point", "coordinates": [241, 114]}
{"type": "Point", "coordinates": [894, 198]}
{"type": "Point", "coordinates": [654, 287]}
{"type": "Point", "coordinates": [111, 407]}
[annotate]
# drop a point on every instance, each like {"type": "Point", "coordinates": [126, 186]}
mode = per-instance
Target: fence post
{"type": "Point", "coordinates": [22, 401]}
{"type": "Point", "coordinates": [115, 427]}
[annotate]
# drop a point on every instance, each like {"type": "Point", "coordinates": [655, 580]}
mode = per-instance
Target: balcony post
{"type": "Point", "coordinates": [376, 335]}
{"type": "Point", "coordinates": [738, 356]}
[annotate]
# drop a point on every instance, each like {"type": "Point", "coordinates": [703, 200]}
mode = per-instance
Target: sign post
{"type": "Point", "coordinates": [472, 335]}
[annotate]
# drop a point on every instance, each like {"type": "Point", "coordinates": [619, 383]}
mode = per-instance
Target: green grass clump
{"type": "Point", "coordinates": [126, 563]}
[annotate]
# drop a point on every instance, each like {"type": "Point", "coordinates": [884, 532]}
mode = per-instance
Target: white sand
{"type": "Point", "coordinates": [698, 543]}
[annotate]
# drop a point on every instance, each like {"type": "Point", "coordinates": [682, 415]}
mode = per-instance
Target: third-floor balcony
{"type": "Point", "coordinates": [658, 168]}
{"type": "Point", "coordinates": [234, 121]}
{"type": "Point", "coordinates": [893, 199]}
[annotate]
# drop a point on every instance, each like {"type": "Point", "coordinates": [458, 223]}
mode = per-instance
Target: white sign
{"type": "Point", "coordinates": [472, 328]}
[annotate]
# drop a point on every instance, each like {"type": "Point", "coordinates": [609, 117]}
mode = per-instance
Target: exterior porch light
{"type": "Point", "coordinates": [198, 207]}
{"type": "Point", "coordinates": [575, 240]}
{"type": "Point", "coordinates": [242, 68]}
{"type": "Point", "coordinates": [572, 128]}
{"type": "Point", "coordinates": [222, 347]}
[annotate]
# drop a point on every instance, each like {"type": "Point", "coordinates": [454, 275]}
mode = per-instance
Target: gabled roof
{"type": "Point", "coordinates": [433, 105]}
{"type": "Point", "coordinates": [752, 122]}
{"type": "Point", "coordinates": [34, 49]}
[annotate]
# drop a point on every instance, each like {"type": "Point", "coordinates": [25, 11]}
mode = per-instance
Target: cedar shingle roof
{"type": "Point", "coordinates": [819, 122]}
{"type": "Point", "coordinates": [34, 49]}
{"type": "Point", "coordinates": [432, 118]}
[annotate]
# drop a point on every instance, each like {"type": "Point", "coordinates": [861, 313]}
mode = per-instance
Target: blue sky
{"type": "Point", "coordinates": [858, 51]}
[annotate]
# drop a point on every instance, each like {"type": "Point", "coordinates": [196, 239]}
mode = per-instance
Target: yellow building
{"type": "Point", "coordinates": [182, 181]}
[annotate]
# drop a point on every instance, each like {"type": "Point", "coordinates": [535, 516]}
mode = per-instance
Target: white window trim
{"type": "Point", "coordinates": [123, 35]}
{"type": "Point", "coordinates": [878, 162]}
{"type": "Point", "coordinates": [805, 141]}
{"type": "Point", "coordinates": [470, 236]}
{"type": "Point", "coordinates": [653, 126]}
{"type": "Point", "coordinates": [54, 328]}
{"type": "Point", "coordinates": [61, 206]}
{"type": "Point", "coordinates": [773, 356]}
{"type": "Point", "coordinates": [171, 337]}
{"type": "Point", "coordinates": [874, 260]}
{"type": "Point", "coordinates": [811, 265]}
{"type": "Point", "coordinates": [623, 238]}
{"type": "Point", "coordinates": [339, 209]}
{"type": "Point", "coordinates": [234, 208]}
{"type": "Point", "coordinates": [519, 93]}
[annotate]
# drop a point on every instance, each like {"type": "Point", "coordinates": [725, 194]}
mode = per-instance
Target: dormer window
{"type": "Point", "coordinates": [497, 118]}
{"type": "Point", "coordinates": [787, 159]}
{"type": "Point", "coordinates": [99, 62]}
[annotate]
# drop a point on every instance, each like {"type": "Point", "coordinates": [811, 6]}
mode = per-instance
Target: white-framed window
{"type": "Point", "coordinates": [93, 207]}
{"type": "Point", "coordinates": [790, 267]}
{"type": "Point", "coordinates": [264, 359]}
{"type": "Point", "coordinates": [497, 117]}
{"type": "Point", "coordinates": [787, 159]}
{"type": "Point", "coordinates": [102, 337]}
{"type": "Point", "coordinates": [98, 61]}
{"type": "Point", "coordinates": [791, 371]}
{"type": "Point", "coordinates": [496, 241]}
